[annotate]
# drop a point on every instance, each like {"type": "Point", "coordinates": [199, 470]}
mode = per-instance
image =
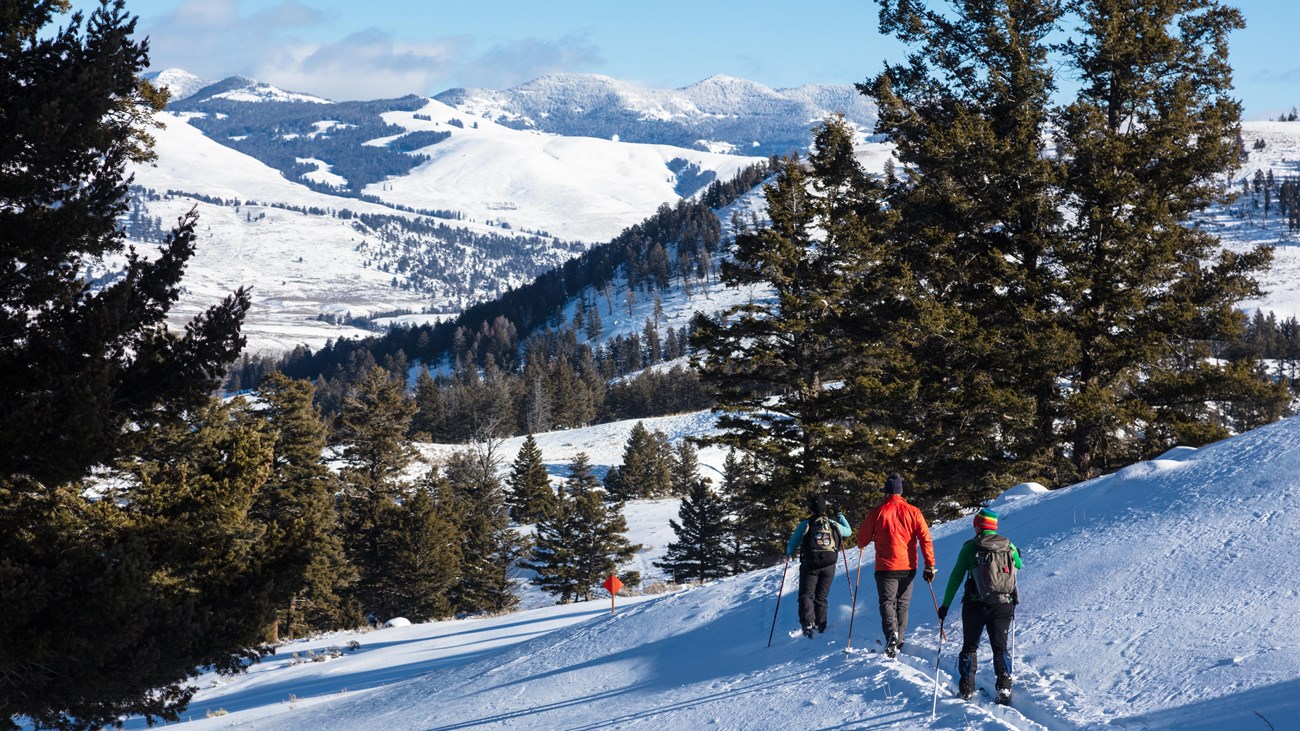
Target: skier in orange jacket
{"type": "Point", "coordinates": [896, 527]}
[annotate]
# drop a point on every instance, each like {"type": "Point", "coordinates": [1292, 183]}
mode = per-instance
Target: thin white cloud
{"type": "Point", "coordinates": [215, 39]}
{"type": "Point", "coordinates": [526, 59]}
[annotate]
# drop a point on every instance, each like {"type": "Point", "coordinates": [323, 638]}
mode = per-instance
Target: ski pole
{"type": "Point", "coordinates": [853, 591]}
{"type": "Point", "coordinates": [1012, 660]}
{"type": "Point", "coordinates": [934, 705]}
{"type": "Point", "coordinates": [854, 610]}
{"type": "Point", "coordinates": [778, 601]}
{"type": "Point", "coordinates": [933, 598]}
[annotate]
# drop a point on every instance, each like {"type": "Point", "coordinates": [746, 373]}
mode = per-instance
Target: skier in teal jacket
{"type": "Point", "coordinates": [817, 562]}
{"type": "Point", "coordinates": [992, 607]}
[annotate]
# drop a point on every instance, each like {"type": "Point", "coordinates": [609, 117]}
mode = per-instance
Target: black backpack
{"type": "Point", "coordinates": [821, 542]}
{"type": "Point", "coordinates": [994, 572]}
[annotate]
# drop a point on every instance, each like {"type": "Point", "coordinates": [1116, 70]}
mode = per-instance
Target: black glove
{"type": "Point", "coordinates": [928, 574]}
{"type": "Point", "coordinates": [943, 613]}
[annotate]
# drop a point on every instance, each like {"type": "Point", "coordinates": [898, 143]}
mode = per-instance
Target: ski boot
{"type": "Point", "coordinates": [966, 667]}
{"type": "Point", "coordinates": [1002, 666]}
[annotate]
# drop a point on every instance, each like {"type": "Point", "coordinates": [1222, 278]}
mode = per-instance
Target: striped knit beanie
{"type": "Point", "coordinates": [986, 519]}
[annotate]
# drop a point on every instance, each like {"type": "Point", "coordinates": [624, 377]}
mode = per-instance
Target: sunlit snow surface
{"type": "Point", "coordinates": [1162, 596]}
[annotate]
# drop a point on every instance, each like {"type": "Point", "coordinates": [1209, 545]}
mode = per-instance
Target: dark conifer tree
{"type": "Point", "coordinates": [584, 543]}
{"type": "Point", "coordinates": [531, 495]}
{"type": "Point", "coordinates": [976, 347]}
{"type": "Point", "coordinates": [700, 551]}
{"type": "Point", "coordinates": [646, 471]}
{"type": "Point", "coordinates": [430, 413]}
{"type": "Point", "coordinates": [88, 375]}
{"type": "Point", "coordinates": [422, 554]}
{"type": "Point", "coordinates": [1148, 139]}
{"type": "Point", "coordinates": [489, 547]}
{"type": "Point", "coordinates": [376, 417]}
{"type": "Point", "coordinates": [298, 503]}
{"type": "Point", "coordinates": [821, 244]}
{"type": "Point", "coordinates": [745, 521]}
{"type": "Point", "coordinates": [553, 557]}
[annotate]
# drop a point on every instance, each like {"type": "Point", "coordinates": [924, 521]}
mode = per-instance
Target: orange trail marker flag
{"type": "Point", "coordinates": [612, 585]}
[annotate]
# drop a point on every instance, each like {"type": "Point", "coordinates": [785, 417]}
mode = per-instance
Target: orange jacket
{"type": "Point", "coordinates": [896, 527]}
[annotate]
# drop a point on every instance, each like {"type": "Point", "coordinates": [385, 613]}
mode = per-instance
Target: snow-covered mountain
{"type": "Point", "coordinates": [179, 83]}
{"type": "Point", "coordinates": [1157, 597]}
{"type": "Point", "coordinates": [721, 113]}
{"type": "Point", "coordinates": [371, 208]}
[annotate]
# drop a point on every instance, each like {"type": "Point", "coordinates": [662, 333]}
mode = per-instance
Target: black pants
{"type": "Point", "coordinates": [976, 617]}
{"type": "Point", "coordinates": [895, 591]}
{"type": "Point", "coordinates": [814, 587]}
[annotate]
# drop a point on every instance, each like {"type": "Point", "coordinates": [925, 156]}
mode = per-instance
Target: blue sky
{"type": "Point", "coordinates": [366, 49]}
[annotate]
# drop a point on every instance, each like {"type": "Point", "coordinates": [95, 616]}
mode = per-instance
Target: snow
{"type": "Point", "coordinates": [1281, 154]}
{"type": "Point", "coordinates": [542, 179]}
{"type": "Point", "coordinates": [1159, 597]}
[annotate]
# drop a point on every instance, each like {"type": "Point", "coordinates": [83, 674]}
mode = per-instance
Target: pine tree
{"type": "Point", "coordinates": [531, 495]}
{"type": "Point", "coordinates": [142, 595]}
{"type": "Point", "coordinates": [489, 547]}
{"type": "Point", "coordinates": [90, 374]}
{"type": "Point", "coordinates": [772, 362]}
{"type": "Point", "coordinates": [684, 468]}
{"type": "Point", "coordinates": [298, 503]}
{"type": "Point", "coordinates": [970, 381]}
{"type": "Point", "coordinates": [1148, 139]}
{"type": "Point", "coordinates": [423, 557]}
{"type": "Point", "coordinates": [647, 467]}
{"type": "Point", "coordinates": [430, 412]}
{"type": "Point", "coordinates": [583, 543]}
{"type": "Point", "coordinates": [79, 365]}
{"type": "Point", "coordinates": [1060, 316]}
{"type": "Point", "coordinates": [699, 553]}
{"type": "Point", "coordinates": [375, 419]}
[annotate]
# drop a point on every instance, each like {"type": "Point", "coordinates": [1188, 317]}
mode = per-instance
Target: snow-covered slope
{"type": "Point", "coordinates": [720, 113]}
{"type": "Point", "coordinates": [299, 265]}
{"type": "Point", "coordinates": [180, 83]}
{"type": "Point", "coordinates": [307, 263]}
{"type": "Point", "coordinates": [580, 188]}
{"type": "Point", "coordinates": [1159, 597]}
{"type": "Point", "coordinates": [1241, 225]}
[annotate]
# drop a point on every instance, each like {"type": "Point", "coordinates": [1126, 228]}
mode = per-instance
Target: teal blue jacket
{"type": "Point", "coordinates": [842, 523]}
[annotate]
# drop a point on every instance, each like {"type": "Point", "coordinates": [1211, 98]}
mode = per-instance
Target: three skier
{"type": "Point", "coordinates": [986, 566]}
{"type": "Point", "coordinates": [818, 539]}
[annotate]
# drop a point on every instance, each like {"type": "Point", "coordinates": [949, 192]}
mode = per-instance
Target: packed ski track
{"type": "Point", "coordinates": [1158, 597]}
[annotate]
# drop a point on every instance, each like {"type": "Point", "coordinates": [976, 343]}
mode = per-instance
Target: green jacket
{"type": "Point", "coordinates": [965, 562]}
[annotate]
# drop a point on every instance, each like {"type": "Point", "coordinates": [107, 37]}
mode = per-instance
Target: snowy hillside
{"type": "Point", "coordinates": [1240, 225]}
{"type": "Point", "coordinates": [1159, 597]}
{"type": "Point", "coordinates": [301, 262]}
{"type": "Point", "coordinates": [572, 187]}
{"type": "Point", "coordinates": [720, 113]}
{"type": "Point", "coordinates": [499, 206]}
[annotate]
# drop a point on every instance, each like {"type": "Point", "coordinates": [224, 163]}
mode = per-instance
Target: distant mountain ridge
{"type": "Point", "coordinates": [718, 114]}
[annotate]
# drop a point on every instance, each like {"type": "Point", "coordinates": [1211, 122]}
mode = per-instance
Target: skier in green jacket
{"type": "Point", "coordinates": [987, 563]}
